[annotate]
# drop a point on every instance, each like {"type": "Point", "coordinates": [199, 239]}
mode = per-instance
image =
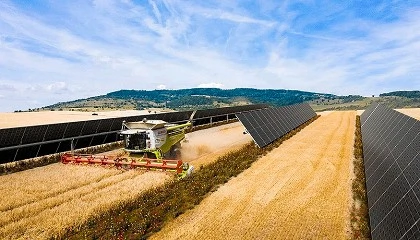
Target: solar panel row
{"type": "Point", "coordinates": [267, 125]}
{"type": "Point", "coordinates": [391, 148]}
{"type": "Point", "coordinates": [104, 130]}
{"type": "Point", "coordinates": [226, 110]}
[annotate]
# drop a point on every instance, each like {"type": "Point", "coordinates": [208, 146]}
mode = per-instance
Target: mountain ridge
{"type": "Point", "coordinates": [199, 98]}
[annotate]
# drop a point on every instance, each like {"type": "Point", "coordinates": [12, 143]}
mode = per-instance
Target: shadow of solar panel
{"type": "Point", "coordinates": [392, 166]}
{"type": "Point", "coordinates": [267, 125]}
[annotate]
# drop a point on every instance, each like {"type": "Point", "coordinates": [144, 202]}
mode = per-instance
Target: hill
{"type": "Point", "coordinates": [190, 98]}
{"type": "Point", "coordinates": [200, 98]}
{"type": "Point", "coordinates": [406, 94]}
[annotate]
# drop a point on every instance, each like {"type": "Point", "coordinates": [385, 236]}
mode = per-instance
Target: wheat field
{"type": "Point", "coordinates": [300, 190]}
{"type": "Point", "coordinates": [412, 112]}
{"type": "Point", "coordinates": [42, 202]}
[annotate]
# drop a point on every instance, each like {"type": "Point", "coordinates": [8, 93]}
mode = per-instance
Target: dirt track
{"type": "Point", "coordinates": [41, 202]}
{"type": "Point", "coordinates": [301, 190]}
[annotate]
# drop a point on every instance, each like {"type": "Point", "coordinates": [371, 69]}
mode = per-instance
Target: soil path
{"type": "Point", "coordinates": [301, 190]}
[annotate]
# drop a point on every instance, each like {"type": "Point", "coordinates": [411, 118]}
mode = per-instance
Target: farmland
{"type": "Point", "coordinates": [300, 190]}
{"type": "Point", "coordinates": [412, 112]}
{"type": "Point", "coordinates": [19, 119]}
{"type": "Point", "coordinates": [42, 202]}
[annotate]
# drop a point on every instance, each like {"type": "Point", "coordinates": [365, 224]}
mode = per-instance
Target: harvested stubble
{"type": "Point", "coordinates": [40, 203]}
{"type": "Point", "coordinates": [301, 190]}
{"type": "Point", "coordinates": [205, 146]}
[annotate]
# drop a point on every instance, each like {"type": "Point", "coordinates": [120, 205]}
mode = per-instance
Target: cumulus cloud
{"type": "Point", "coordinates": [211, 85]}
{"type": "Point", "coordinates": [56, 87]}
{"type": "Point", "coordinates": [161, 87]}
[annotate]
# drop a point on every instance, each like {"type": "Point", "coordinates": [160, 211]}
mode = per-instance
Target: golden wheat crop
{"type": "Point", "coordinates": [42, 202]}
{"type": "Point", "coordinates": [300, 190]}
{"type": "Point", "coordinates": [412, 112]}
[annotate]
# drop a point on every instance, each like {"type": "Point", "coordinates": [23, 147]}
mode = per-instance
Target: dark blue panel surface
{"type": "Point", "coordinates": [392, 165]}
{"type": "Point", "coordinates": [267, 125]}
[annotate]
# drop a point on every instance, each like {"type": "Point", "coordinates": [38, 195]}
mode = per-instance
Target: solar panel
{"type": "Point", "coordinates": [391, 147]}
{"type": "Point", "coordinates": [267, 125]}
{"type": "Point", "coordinates": [11, 136]}
{"type": "Point", "coordinates": [205, 113]}
{"type": "Point", "coordinates": [55, 131]}
{"type": "Point", "coordinates": [34, 134]}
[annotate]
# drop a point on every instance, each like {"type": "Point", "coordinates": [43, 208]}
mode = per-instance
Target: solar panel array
{"type": "Point", "coordinates": [207, 116]}
{"type": "Point", "coordinates": [267, 125]}
{"type": "Point", "coordinates": [32, 141]}
{"type": "Point", "coordinates": [391, 148]}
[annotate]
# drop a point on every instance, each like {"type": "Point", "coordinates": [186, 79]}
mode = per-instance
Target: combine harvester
{"type": "Point", "coordinates": [149, 145]}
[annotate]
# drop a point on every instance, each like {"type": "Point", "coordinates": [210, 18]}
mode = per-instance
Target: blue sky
{"type": "Point", "coordinates": [53, 51]}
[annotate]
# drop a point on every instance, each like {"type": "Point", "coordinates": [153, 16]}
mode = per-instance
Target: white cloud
{"type": "Point", "coordinates": [115, 45]}
{"type": "Point", "coordinates": [161, 87]}
{"type": "Point", "coordinates": [56, 87]}
{"type": "Point", "coordinates": [210, 85]}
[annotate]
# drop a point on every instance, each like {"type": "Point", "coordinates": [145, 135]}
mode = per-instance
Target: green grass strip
{"type": "Point", "coordinates": [147, 214]}
{"type": "Point", "coordinates": [359, 213]}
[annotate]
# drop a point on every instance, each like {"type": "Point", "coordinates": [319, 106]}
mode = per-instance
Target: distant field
{"type": "Point", "coordinates": [19, 119]}
{"type": "Point", "coordinates": [412, 112]}
{"type": "Point", "coordinates": [392, 102]}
